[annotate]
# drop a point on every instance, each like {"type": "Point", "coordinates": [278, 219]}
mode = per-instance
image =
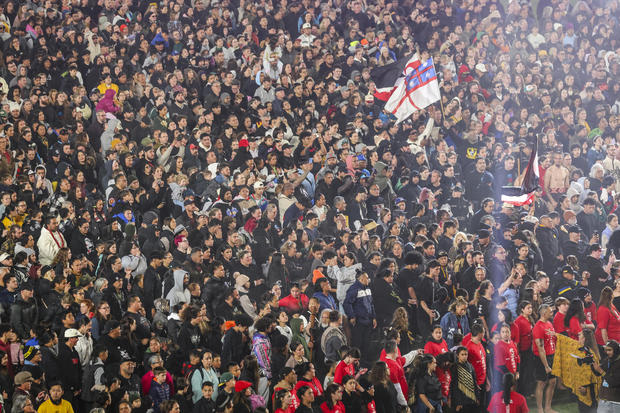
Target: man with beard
{"type": "Point", "coordinates": [214, 289]}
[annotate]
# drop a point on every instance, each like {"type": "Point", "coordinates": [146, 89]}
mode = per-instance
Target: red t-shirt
{"type": "Point", "coordinates": [314, 384]}
{"type": "Point", "coordinates": [525, 333]}
{"type": "Point", "coordinates": [590, 312]}
{"type": "Point", "coordinates": [443, 375]}
{"type": "Point", "coordinates": [294, 400]}
{"type": "Point", "coordinates": [478, 359]}
{"type": "Point", "coordinates": [574, 328]}
{"type": "Point", "coordinates": [397, 375]}
{"type": "Point", "coordinates": [517, 403]}
{"type": "Point", "coordinates": [558, 323]}
{"type": "Point", "coordinates": [506, 354]}
{"type": "Point", "coordinates": [543, 331]}
{"type": "Point", "coordinates": [607, 319]}
{"type": "Point", "coordinates": [342, 369]}
{"type": "Point", "coordinates": [338, 408]}
{"type": "Point", "coordinates": [514, 331]}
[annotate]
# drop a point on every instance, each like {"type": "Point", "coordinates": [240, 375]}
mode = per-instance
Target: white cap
{"type": "Point", "coordinates": [72, 332]}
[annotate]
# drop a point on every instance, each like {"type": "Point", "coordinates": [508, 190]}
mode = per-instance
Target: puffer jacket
{"type": "Point", "coordinates": [24, 315]}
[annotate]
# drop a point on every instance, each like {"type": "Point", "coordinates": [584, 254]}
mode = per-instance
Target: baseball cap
{"type": "Point", "coordinates": [226, 377]}
{"type": "Point", "coordinates": [71, 333]}
{"type": "Point", "coordinates": [568, 269]}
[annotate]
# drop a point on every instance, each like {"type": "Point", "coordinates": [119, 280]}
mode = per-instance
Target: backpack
{"type": "Point", "coordinates": [189, 370]}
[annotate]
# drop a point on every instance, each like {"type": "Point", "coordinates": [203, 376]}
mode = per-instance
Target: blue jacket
{"type": "Point", "coordinates": [449, 326]}
{"type": "Point", "coordinates": [358, 303]}
{"type": "Point", "coordinates": [325, 302]}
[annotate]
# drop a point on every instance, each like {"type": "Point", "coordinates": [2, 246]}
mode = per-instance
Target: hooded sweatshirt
{"type": "Point", "coordinates": [178, 293]}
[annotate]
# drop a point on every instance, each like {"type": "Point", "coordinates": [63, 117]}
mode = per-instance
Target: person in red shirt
{"type": "Point", "coordinates": [525, 324]}
{"type": "Point", "coordinates": [574, 320]}
{"type": "Point", "coordinates": [333, 399]}
{"type": "Point", "coordinates": [295, 302]}
{"type": "Point", "coordinates": [397, 372]}
{"type": "Point", "coordinates": [508, 400]}
{"type": "Point", "coordinates": [543, 334]}
{"type": "Point", "coordinates": [506, 356]}
{"type": "Point", "coordinates": [436, 346]}
{"type": "Point", "coordinates": [477, 357]}
{"type": "Point", "coordinates": [607, 319]}
{"type": "Point", "coordinates": [283, 401]}
{"type": "Point", "coordinates": [346, 366]}
{"type": "Point", "coordinates": [589, 308]}
{"type": "Point", "coordinates": [306, 375]}
{"type": "Point", "coordinates": [561, 304]}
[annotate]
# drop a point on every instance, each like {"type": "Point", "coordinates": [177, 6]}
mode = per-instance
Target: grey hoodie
{"type": "Point", "coordinates": [178, 293]}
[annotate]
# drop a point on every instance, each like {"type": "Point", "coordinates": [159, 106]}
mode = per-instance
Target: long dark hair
{"type": "Point", "coordinates": [278, 399]}
{"type": "Point", "coordinates": [606, 297]}
{"type": "Point", "coordinates": [331, 389]}
{"type": "Point", "coordinates": [379, 373]}
{"type": "Point", "coordinates": [509, 381]}
{"type": "Point", "coordinates": [575, 309]}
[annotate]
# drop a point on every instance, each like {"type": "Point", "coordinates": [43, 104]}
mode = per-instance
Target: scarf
{"type": "Point", "coordinates": [466, 382]}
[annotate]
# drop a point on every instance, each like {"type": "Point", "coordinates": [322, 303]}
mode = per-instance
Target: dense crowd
{"type": "Point", "coordinates": [205, 209]}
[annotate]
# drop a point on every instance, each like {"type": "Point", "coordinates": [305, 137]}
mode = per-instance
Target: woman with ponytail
{"type": "Point", "coordinates": [508, 400]}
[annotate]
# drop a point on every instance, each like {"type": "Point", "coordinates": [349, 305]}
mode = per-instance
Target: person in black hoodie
{"type": "Point", "coordinates": [50, 363]}
{"type": "Point", "coordinates": [233, 345]}
{"type": "Point", "coordinates": [189, 334]}
{"type": "Point", "coordinates": [115, 294]}
{"type": "Point", "coordinates": [152, 282]}
{"type": "Point", "coordinates": [385, 296]}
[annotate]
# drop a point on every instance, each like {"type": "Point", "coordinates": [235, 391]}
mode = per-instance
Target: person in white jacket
{"type": "Point", "coordinates": [344, 276]}
{"type": "Point", "coordinates": [84, 346]}
{"type": "Point", "coordinates": [50, 241]}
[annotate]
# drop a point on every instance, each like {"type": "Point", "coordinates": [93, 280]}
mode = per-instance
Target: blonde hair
{"type": "Point", "coordinates": [458, 238]}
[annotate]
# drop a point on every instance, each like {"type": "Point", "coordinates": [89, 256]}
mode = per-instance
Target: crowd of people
{"type": "Point", "coordinates": [205, 209]}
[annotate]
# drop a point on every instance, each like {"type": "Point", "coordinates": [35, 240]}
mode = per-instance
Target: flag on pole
{"type": "Point", "coordinates": [385, 77]}
{"type": "Point", "coordinates": [414, 86]}
{"type": "Point", "coordinates": [524, 194]}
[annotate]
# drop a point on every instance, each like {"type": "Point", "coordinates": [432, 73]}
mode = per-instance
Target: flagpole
{"type": "Point", "coordinates": [443, 114]}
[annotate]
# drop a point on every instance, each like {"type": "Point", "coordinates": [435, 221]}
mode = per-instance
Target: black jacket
{"type": "Point", "coordinates": [50, 364]}
{"type": "Point", "coordinates": [152, 288]}
{"type": "Point", "coordinates": [612, 378]}
{"type": "Point", "coordinates": [70, 368]}
{"type": "Point", "coordinates": [213, 294]}
{"type": "Point", "coordinates": [233, 348]}
{"type": "Point", "coordinates": [386, 299]}
{"type": "Point", "coordinates": [24, 316]}
{"type": "Point", "coordinates": [386, 398]}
